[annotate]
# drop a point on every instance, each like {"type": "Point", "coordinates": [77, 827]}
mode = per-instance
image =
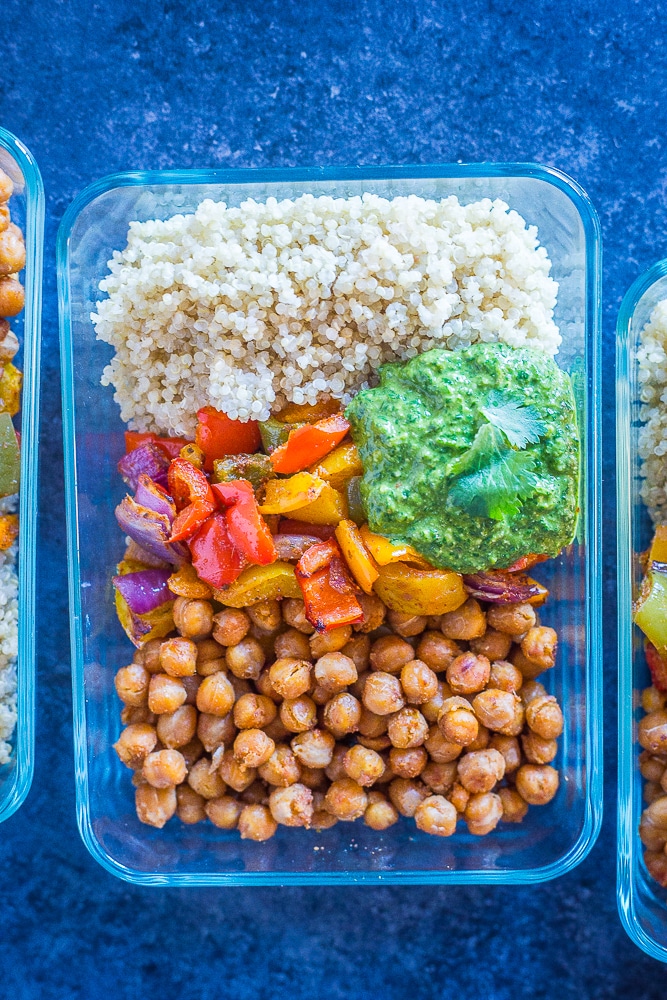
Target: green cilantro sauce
{"type": "Point", "coordinates": [470, 456]}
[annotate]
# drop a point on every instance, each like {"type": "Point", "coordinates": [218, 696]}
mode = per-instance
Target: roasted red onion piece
{"type": "Point", "coordinates": [144, 590]}
{"type": "Point", "coordinates": [291, 547]}
{"type": "Point", "coordinates": [152, 495]}
{"type": "Point", "coordinates": [659, 567]}
{"type": "Point", "coordinates": [148, 459]}
{"type": "Point", "coordinates": [339, 577]}
{"type": "Point", "coordinates": [501, 587]}
{"type": "Point", "coordinates": [151, 530]}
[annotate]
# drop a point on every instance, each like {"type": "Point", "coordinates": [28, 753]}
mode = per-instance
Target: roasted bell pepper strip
{"type": "Point", "coordinates": [9, 530]}
{"type": "Point", "coordinates": [309, 444]}
{"type": "Point", "coordinates": [10, 457]}
{"type": "Point", "coordinates": [281, 496]}
{"type": "Point", "coordinates": [257, 469]}
{"type": "Point", "coordinates": [329, 507]}
{"type": "Point", "coordinates": [247, 528]}
{"type": "Point", "coordinates": [292, 526]}
{"type": "Point", "coordinates": [419, 591]}
{"type": "Point", "coordinates": [185, 583]}
{"type": "Point", "coordinates": [273, 433]}
{"type": "Point", "coordinates": [385, 552]}
{"type": "Point", "coordinates": [215, 558]}
{"type": "Point", "coordinates": [187, 484]}
{"type": "Point", "coordinates": [190, 519]}
{"type": "Point", "coordinates": [339, 466]}
{"type": "Point", "coordinates": [218, 435]}
{"type": "Point", "coordinates": [658, 550]}
{"type": "Point", "coordinates": [308, 413]}
{"type": "Point", "coordinates": [290, 548]}
{"type": "Point", "coordinates": [650, 611]}
{"type": "Point", "coordinates": [355, 505]}
{"type": "Point", "coordinates": [260, 583]}
{"type": "Point", "coordinates": [327, 606]}
{"type": "Point", "coordinates": [10, 390]}
{"type": "Point", "coordinates": [525, 562]}
{"type": "Point", "coordinates": [356, 555]}
{"type": "Point", "coordinates": [318, 557]}
{"type": "Point", "coordinates": [172, 446]}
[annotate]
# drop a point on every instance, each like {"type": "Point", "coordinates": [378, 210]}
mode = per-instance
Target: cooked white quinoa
{"type": "Point", "coordinates": [652, 358]}
{"type": "Point", "coordinates": [245, 308]}
{"type": "Point", "coordinates": [9, 624]}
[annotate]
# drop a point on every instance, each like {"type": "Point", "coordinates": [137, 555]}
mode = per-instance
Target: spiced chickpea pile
{"type": "Point", "coordinates": [653, 766]}
{"type": "Point", "coordinates": [252, 719]}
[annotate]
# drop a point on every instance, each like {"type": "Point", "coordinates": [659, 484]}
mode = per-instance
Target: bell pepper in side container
{"type": "Point", "coordinates": [650, 609]}
{"type": "Point", "coordinates": [218, 435]}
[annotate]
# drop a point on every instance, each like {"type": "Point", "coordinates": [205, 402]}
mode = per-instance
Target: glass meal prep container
{"type": "Point", "coordinates": [552, 839]}
{"type": "Point", "coordinates": [27, 210]}
{"type": "Point", "coordinates": [642, 903]}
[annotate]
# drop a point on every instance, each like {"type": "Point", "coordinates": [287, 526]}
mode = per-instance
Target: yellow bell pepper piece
{"type": "Point", "coordinates": [385, 552]}
{"type": "Point", "coordinates": [141, 629]}
{"type": "Point", "coordinates": [419, 591]}
{"type": "Point", "coordinates": [308, 413]}
{"type": "Point", "coordinates": [658, 550]}
{"type": "Point", "coordinates": [356, 555]}
{"type": "Point", "coordinates": [281, 496]}
{"type": "Point", "coordinates": [260, 583]}
{"type": "Point", "coordinates": [339, 466]}
{"type": "Point", "coordinates": [10, 390]}
{"type": "Point", "coordinates": [186, 583]}
{"type": "Point", "coordinates": [329, 508]}
{"type": "Point", "coordinates": [9, 530]}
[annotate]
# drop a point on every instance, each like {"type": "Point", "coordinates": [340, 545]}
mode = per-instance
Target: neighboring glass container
{"type": "Point", "coordinates": [27, 208]}
{"type": "Point", "coordinates": [551, 840]}
{"type": "Point", "coordinates": [642, 903]}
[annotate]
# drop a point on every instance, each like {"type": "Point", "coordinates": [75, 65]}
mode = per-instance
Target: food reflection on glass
{"type": "Point", "coordinates": [348, 446]}
{"type": "Point", "coordinates": [12, 261]}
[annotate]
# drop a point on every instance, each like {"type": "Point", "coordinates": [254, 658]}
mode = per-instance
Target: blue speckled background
{"type": "Point", "coordinates": [93, 88]}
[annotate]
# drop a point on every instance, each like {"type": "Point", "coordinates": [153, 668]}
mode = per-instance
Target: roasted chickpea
{"type": "Point", "coordinates": [505, 676]}
{"type": "Point", "coordinates": [291, 678]}
{"type": "Point", "coordinates": [656, 863]}
{"type": "Point", "coordinates": [336, 769]}
{"type": "Point", "coordinates": [313, 778]}
{"type": "Point", "coordinates": [165, 694]}
{"type": "Point", "coordinates": [294, 613]}
{"type": "Point", "coordinates": [5, 219]}
{"type": "Point", "coordinates": [408, 763]}
{"type": "Point", "coordinates": [314, 748]}
{"type": "Point", "coordinates": [405, 624]}
{"type": "Point", "coordinates": [652, 836]}
{"type": "Point", "coordinates": [383, 694]}
{"type": "Point", "coordinates": [389, 654]}
{"type": "Point", "coordinates": [155, 806]}
{"type": "Point", "coordinates": [495, 709]}
{"type": "Point", "coordinates": [210, 657]}
{"type": "Point", "coordinates": [437, 816]}
{"type": "Point", "coordinates": [363, 765]}
{"type": "Point", "coordinates": [514, 619]}
{"type": "Point", "coordinates": [371, 724]}
{"type": "Point", "coordinates": [193, 618]}
{"type": "Point", "coordinates": [514, 807]}
{"type": "Point", "coordinates": [234, 773]}
{"type": "Point", "coordinates": [537, 783]}
{"type": "Point", "coordinates": [277, 731]}
{"type": "Point", "coordinates": [132, 685]}
{"type": "Point", "coordinates": [223, 812]}
{"type": "Point", "coordinates": [131, 714]}
{"type": "Point", "coordinates": [164, 768]}
{"type": "Point", "coordinates": [135, 743]}
{"type": "Point", "coordinates": [334, 672]}
{"type": "Point", "coordinates": [149, 656]}
{"type": "Point", "coordinates": [466, 623]}
{"type": "Point", "coordinates": [189, 805]}
{"type": "Point", "coordinates": [263, 685]}
{"type": "Point", "coordinates": [192, 751]}
{"type": "Point", "coordinates": [266, 615]}
{"type": "Point", "coordinates": [539, 646]}
{"type": "Point", "coordinates": [439, 748]}
{"type": "Point", "coordinates": [652, 732]}
{"type": "Point", "coordinates": [298, 714]}
{"type": "Point", "coordinates": [346, 800]}
{"type": "Point", "coordinates": [256, 823]}
{"type": "Point", "coordinates": [468, 673]}
{"type": "Point", "coordinates": [292, 645]}
{"type": "Point", "coordinates": [483, 813]}
{"type": "Point", "coordinates": [254, 711]}
{"type": "Point", "coordinates": [459, 797]}
{"type": "Point", "coordinates": [215, 695]}
{"type": "Point", "coordinates": [175, 729]}
{"type": "Point", "coordinates": [438, 777]}
{"type": "Point", "coordinates": [252, 747]}
{"type": "Point", "coordinates": [431, 709]}
{"type": "Point", "coordinates": [191, 685]}
{"type": "Point", "coordinates": [12, 296]}
{"type": "Point", "coordinates": [509, 747]}
{"type": "Point", "coordinates": [12, 250]}
{"type": "Point", "coordinates": [407, 728]}
{"type": "Point", "coordinates": [215, 730]}
{"type": "Point", "coordinates": [531, 689]}
{"type": "Point", "coordinates": [359, 651]}
{"type": "Point", "coordinates": [329, 642]}
{"type": "Point", "coordinates": [406, 794]}
{"type": "Point", "coordinates": [651, 768]}
{"type": "Point", "coordinates": [651, 791]}
{"type": "Point", "coordinates": [652, 699]}
{"type": "Point", "coordinates": [319, 695]}
{"type": "Point", "coordinates": [374, 613]}
{"type": "Point", "coordinates": [436, 651]}
{"type": "Point", "coordinates": [481, 741]}
{"type": "Point", "coordinates": [246, 658]}
{"type": "Point", "coordinates": [178, 657]}
{"type": "Point", "coordinates": [204, 779]}
{"type": "Point", "coordinates": [342, 714]}
{"type": "Point", "coordinates": [544, 717]}
{"type": "Point", "coordinates": [377, 743]}
{"type": "Point", "coordinates": [322, 820]}
{"type": "Point", "coordinates": [282, 768]}
{"type": "Point", "coordinates": [292, 806]}
{"type": "Point", "coordinates": [230, 626]}
{"type": "Point", "coordinates": [457, 721]}
{"type": "Point", "coordinates": [380, 813]}
{"type": "Point", "coordinates": [419, 682]}
{"type": "Point", "coordinates": [480, 770]}
{"type": "Point", "coordinates": [6, 186]}
{"type": "Point", "coordinates": [493, 644]}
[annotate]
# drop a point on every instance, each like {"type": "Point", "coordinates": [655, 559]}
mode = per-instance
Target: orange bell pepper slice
{"type": "Point", "coordinates": [281, 496]}
{"type": "Point", "coordinates": [309, 444]}
{"type": "Point", "coordinates": [218, 435]}
{"type": "Point", "coordinates": [247, 528]}
{"type": "Point", "coordinates": [385, 552]}
{"type": "Point", "coordinates": [190, 519]}
{"type": "Point", "coordinates": [328, 590]}
{"type": "Point", "coordinates": [187, 484]}
{"type": "Point", "coordinates": [172, 446]}
{"type": "Point", "coordinates": [356, 555]}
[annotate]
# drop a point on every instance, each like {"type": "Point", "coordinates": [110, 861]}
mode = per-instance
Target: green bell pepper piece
{"type": "Point", "coordinates": [10, 457]}
{"type": "Point", "coordinates": [257, 469]}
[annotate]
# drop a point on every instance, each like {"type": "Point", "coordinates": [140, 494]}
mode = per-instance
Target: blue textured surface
{"type": "Point", "coordinates": [93, 88]}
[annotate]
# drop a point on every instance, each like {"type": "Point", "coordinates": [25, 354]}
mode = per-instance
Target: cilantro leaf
{"type": "Point", "coordinates": [490, 478]}
{"type": "Point", "coordinates": [520, 424]}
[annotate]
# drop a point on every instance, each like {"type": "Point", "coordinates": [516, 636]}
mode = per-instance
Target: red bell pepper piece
{"type": "Point", "coordinates": [308, 444]}
{"type": "Point", "coordinates": [189, 520]}
{"type": "Point", "coordinates": [215, 558]}
{"type": "Point", "coordinates": [290, 526]}
{"type": "Point", "coordinates": [218, 436]}
{"type": "Point", "coordinates": [172, 446]}
{"type": "Point", "coordinates": [329, 597]}
{"type": "Point", "coordinates": [187, 483]}
{"type": "Point", "coordinates": [247, 528]}
{"type": "Point", "coordinates": [525, 562]}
